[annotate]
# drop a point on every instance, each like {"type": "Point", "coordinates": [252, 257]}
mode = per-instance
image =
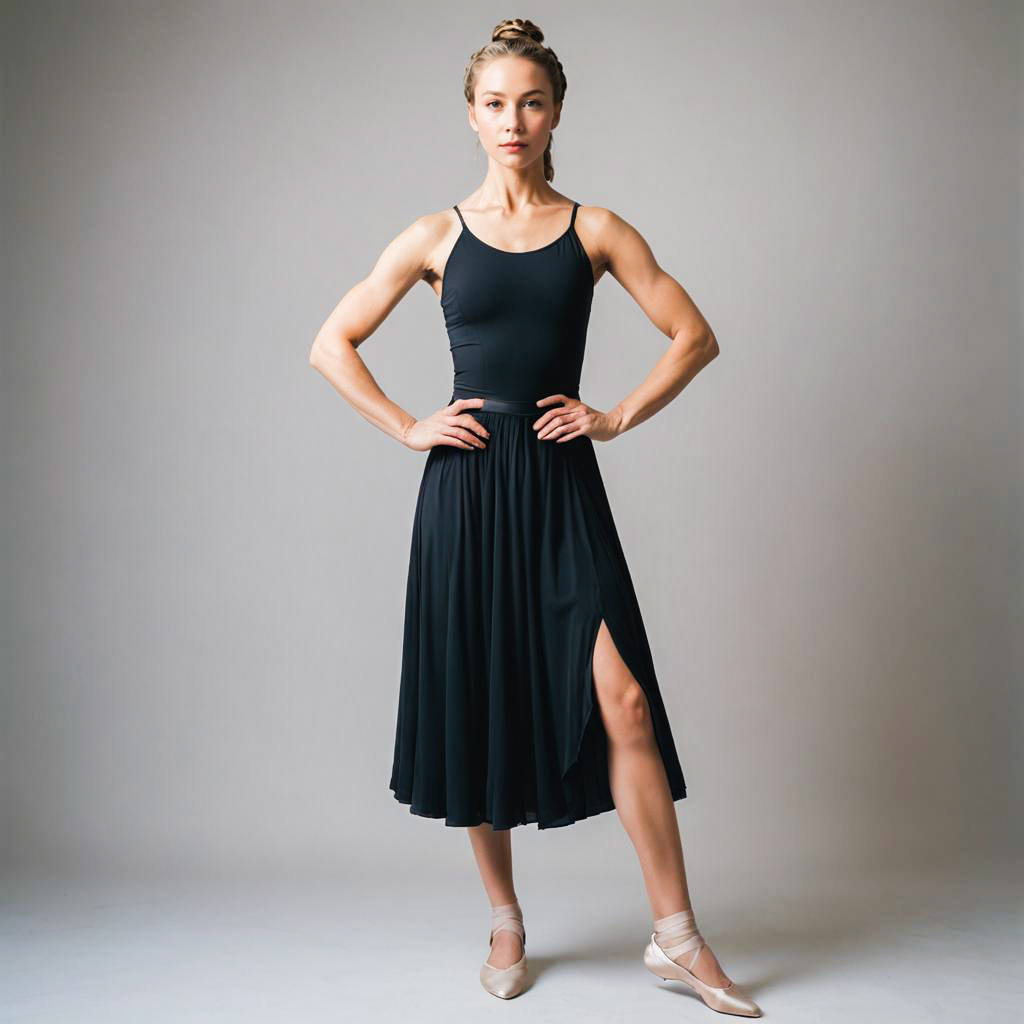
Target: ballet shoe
{"type": "Point", "coordinates": [505, 982]}
{"type": "Point", "coordinates": [679, 934]}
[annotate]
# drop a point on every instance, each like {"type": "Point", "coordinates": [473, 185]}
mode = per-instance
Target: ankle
{"type": "Point", "coordinates": [683, 908]}
{"type": "Point", "coordinates": [677, 934]}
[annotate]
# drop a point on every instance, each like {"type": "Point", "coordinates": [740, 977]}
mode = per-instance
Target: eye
{"type": "Point", "coordinates": [539, 103]}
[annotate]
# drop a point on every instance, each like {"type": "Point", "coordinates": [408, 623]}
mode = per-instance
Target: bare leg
{"type": "Point", "coordinates": [641, 792]}
{"type": "Point", "coordinates": [493, 852]}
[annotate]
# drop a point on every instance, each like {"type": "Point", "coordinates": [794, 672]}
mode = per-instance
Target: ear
{"type": "Point", "coordinates": [557, 117]}
{"type": "Point", "coordinates": [472, 118]}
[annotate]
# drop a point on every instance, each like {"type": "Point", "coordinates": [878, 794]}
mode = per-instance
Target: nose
{"type": "Point", "coordinates": [514, 122]}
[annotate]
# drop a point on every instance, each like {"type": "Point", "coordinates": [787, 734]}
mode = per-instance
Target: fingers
{"type": "Point", "coordinates": [567, 407]}
{"type": "Point", "coordinates": [556, 431]}
{"type": "Point", "coordinates": [453, 442]}
{"type": "Point", "coordinates": [456, 419]}
{"type": "Point", "coordinates": [562, 405]}
{"type": "Point", "coordinates": [560, 423]}
{"type": "Point", "coordinates": [465, 403]}
{"type": "Point", "coordinates": [466, 440]}
{"type": "Point", "coordinates": [578, 432]}
{"type": "Point", "coordinates": [552, 398]}
{"type": "Point", "coordinates": [568, 419]}
{"type": "Point", "coordinates": [452, 423]}
{"type": "Point", "coordinates": [469, 421]}
{"type": "Point", "coordinates": [549, 417]}
{"type": "Point", "coordinates": [544, 426]}
{"type": "Point", "coordinates": [468, 437]}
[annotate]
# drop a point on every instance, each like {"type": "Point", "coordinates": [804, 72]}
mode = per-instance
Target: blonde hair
{"type": "Point", "coordinates": [517, 37]}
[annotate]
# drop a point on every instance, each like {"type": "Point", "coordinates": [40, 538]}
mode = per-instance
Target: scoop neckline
{"type": "Point", "coordinates": [522, 252]}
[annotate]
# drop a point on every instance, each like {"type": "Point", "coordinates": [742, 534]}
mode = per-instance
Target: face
{"type": "Point", "coordinates": [513, 102]}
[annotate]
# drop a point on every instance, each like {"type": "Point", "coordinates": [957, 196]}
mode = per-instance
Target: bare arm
{"type": "Point", "coordinates": [360, 312]}
{"type": "Point", "coordinates": [693, 344]}
{"type": "Point", "coordinates": [622, 250]}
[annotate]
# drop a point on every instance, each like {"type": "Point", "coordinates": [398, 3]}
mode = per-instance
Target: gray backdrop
{"type": "Point", "coordinates": [204, 549]}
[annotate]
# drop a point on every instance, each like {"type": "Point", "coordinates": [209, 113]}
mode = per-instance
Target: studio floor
{"type": "Point", "coordinates": [917, 948]}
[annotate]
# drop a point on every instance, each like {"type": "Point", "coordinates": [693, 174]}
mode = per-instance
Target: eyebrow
{"type": "Point", "coordinates": [491, 92]}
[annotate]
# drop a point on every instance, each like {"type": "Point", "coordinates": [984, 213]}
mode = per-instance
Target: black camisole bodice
{"type": "Point", "coordinates": [517, 321]}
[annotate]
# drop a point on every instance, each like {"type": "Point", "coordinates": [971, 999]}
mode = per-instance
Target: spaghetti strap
{"type": "Point", "coordinates": [459, 212]}
{"type": "Point", "coordinates": [572, 219]}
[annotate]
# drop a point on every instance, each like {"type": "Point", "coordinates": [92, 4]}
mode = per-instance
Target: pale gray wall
{"type": "Point", "coordinates": [204, 548]}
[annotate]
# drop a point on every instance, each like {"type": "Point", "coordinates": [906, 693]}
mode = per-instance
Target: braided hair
{"type": "Point", "coordinates": [518, 37]}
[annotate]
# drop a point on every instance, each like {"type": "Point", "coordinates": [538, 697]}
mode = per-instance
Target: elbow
{"type": "Point", "coordinates": [330, 349]}
{"type": "Point", "coordinates": [709, 344]}
{"type": "Point", "coordinates": [320, 352]}
{"type": "Point", "coordinates": [698, 344]}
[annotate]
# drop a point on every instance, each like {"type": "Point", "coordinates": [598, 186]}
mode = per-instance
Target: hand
{"type": "Point", "coordinates": [450, 425]}
{"type": "Point", "coordinates": [572, 418]}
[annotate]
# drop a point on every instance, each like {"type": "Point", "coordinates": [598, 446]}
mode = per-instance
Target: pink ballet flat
{"type": "Point", "coordinates": [680, 934]}
{"type": "Point", "coordinates": [506, 982]}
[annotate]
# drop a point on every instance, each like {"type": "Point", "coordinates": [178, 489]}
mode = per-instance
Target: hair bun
{"type": "Point", "coordinates": [511, 28]}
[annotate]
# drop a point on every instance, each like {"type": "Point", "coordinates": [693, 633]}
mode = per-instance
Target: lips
{"type": "Point", "coordinates": [513, 145]}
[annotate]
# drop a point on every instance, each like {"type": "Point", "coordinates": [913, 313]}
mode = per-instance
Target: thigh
{"type": "Point", "coordinates": [614, 684]}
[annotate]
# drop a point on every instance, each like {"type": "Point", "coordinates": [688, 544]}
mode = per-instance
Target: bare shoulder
{"type": "Point", "coordinates": [434, 227]}
{"type": "Point", "coordinates": [604, 235]}
{"type": "Point", "coordinates": [626, 255]}
{"type": "Point", "coordinates": [603, 226]}
{"type": "Point", "coordinates": [417, 253]}
{"type": "Point", "coordinates": [594, 217]}
{"type": "Point", "coordinates": [433, 235]}
{"type": "Point", "coordinates": [416, 242]}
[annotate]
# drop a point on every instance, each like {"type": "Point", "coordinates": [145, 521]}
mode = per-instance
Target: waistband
{"type": "Point", "coordinates": [513, 405]}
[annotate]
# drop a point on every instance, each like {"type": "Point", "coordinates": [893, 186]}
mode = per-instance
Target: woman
{"type": "Point", "coordinates": [521, 619]}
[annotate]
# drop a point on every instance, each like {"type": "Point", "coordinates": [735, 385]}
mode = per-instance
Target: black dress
{"type": "Point", "coordinates": [515, 560]}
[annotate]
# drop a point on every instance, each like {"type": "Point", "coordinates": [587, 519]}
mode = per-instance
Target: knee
{"type": "Point", "coordinates": [628, 717]}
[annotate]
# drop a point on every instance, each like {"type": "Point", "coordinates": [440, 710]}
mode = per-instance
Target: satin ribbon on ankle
{"type": "Point", "coordinates": [508, 917]}
{"type": "Point", "coordinates": [677, 933]}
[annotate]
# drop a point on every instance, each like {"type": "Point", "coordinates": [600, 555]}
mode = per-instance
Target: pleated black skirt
{"type": "Point", "coordinates": [515, 560]}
